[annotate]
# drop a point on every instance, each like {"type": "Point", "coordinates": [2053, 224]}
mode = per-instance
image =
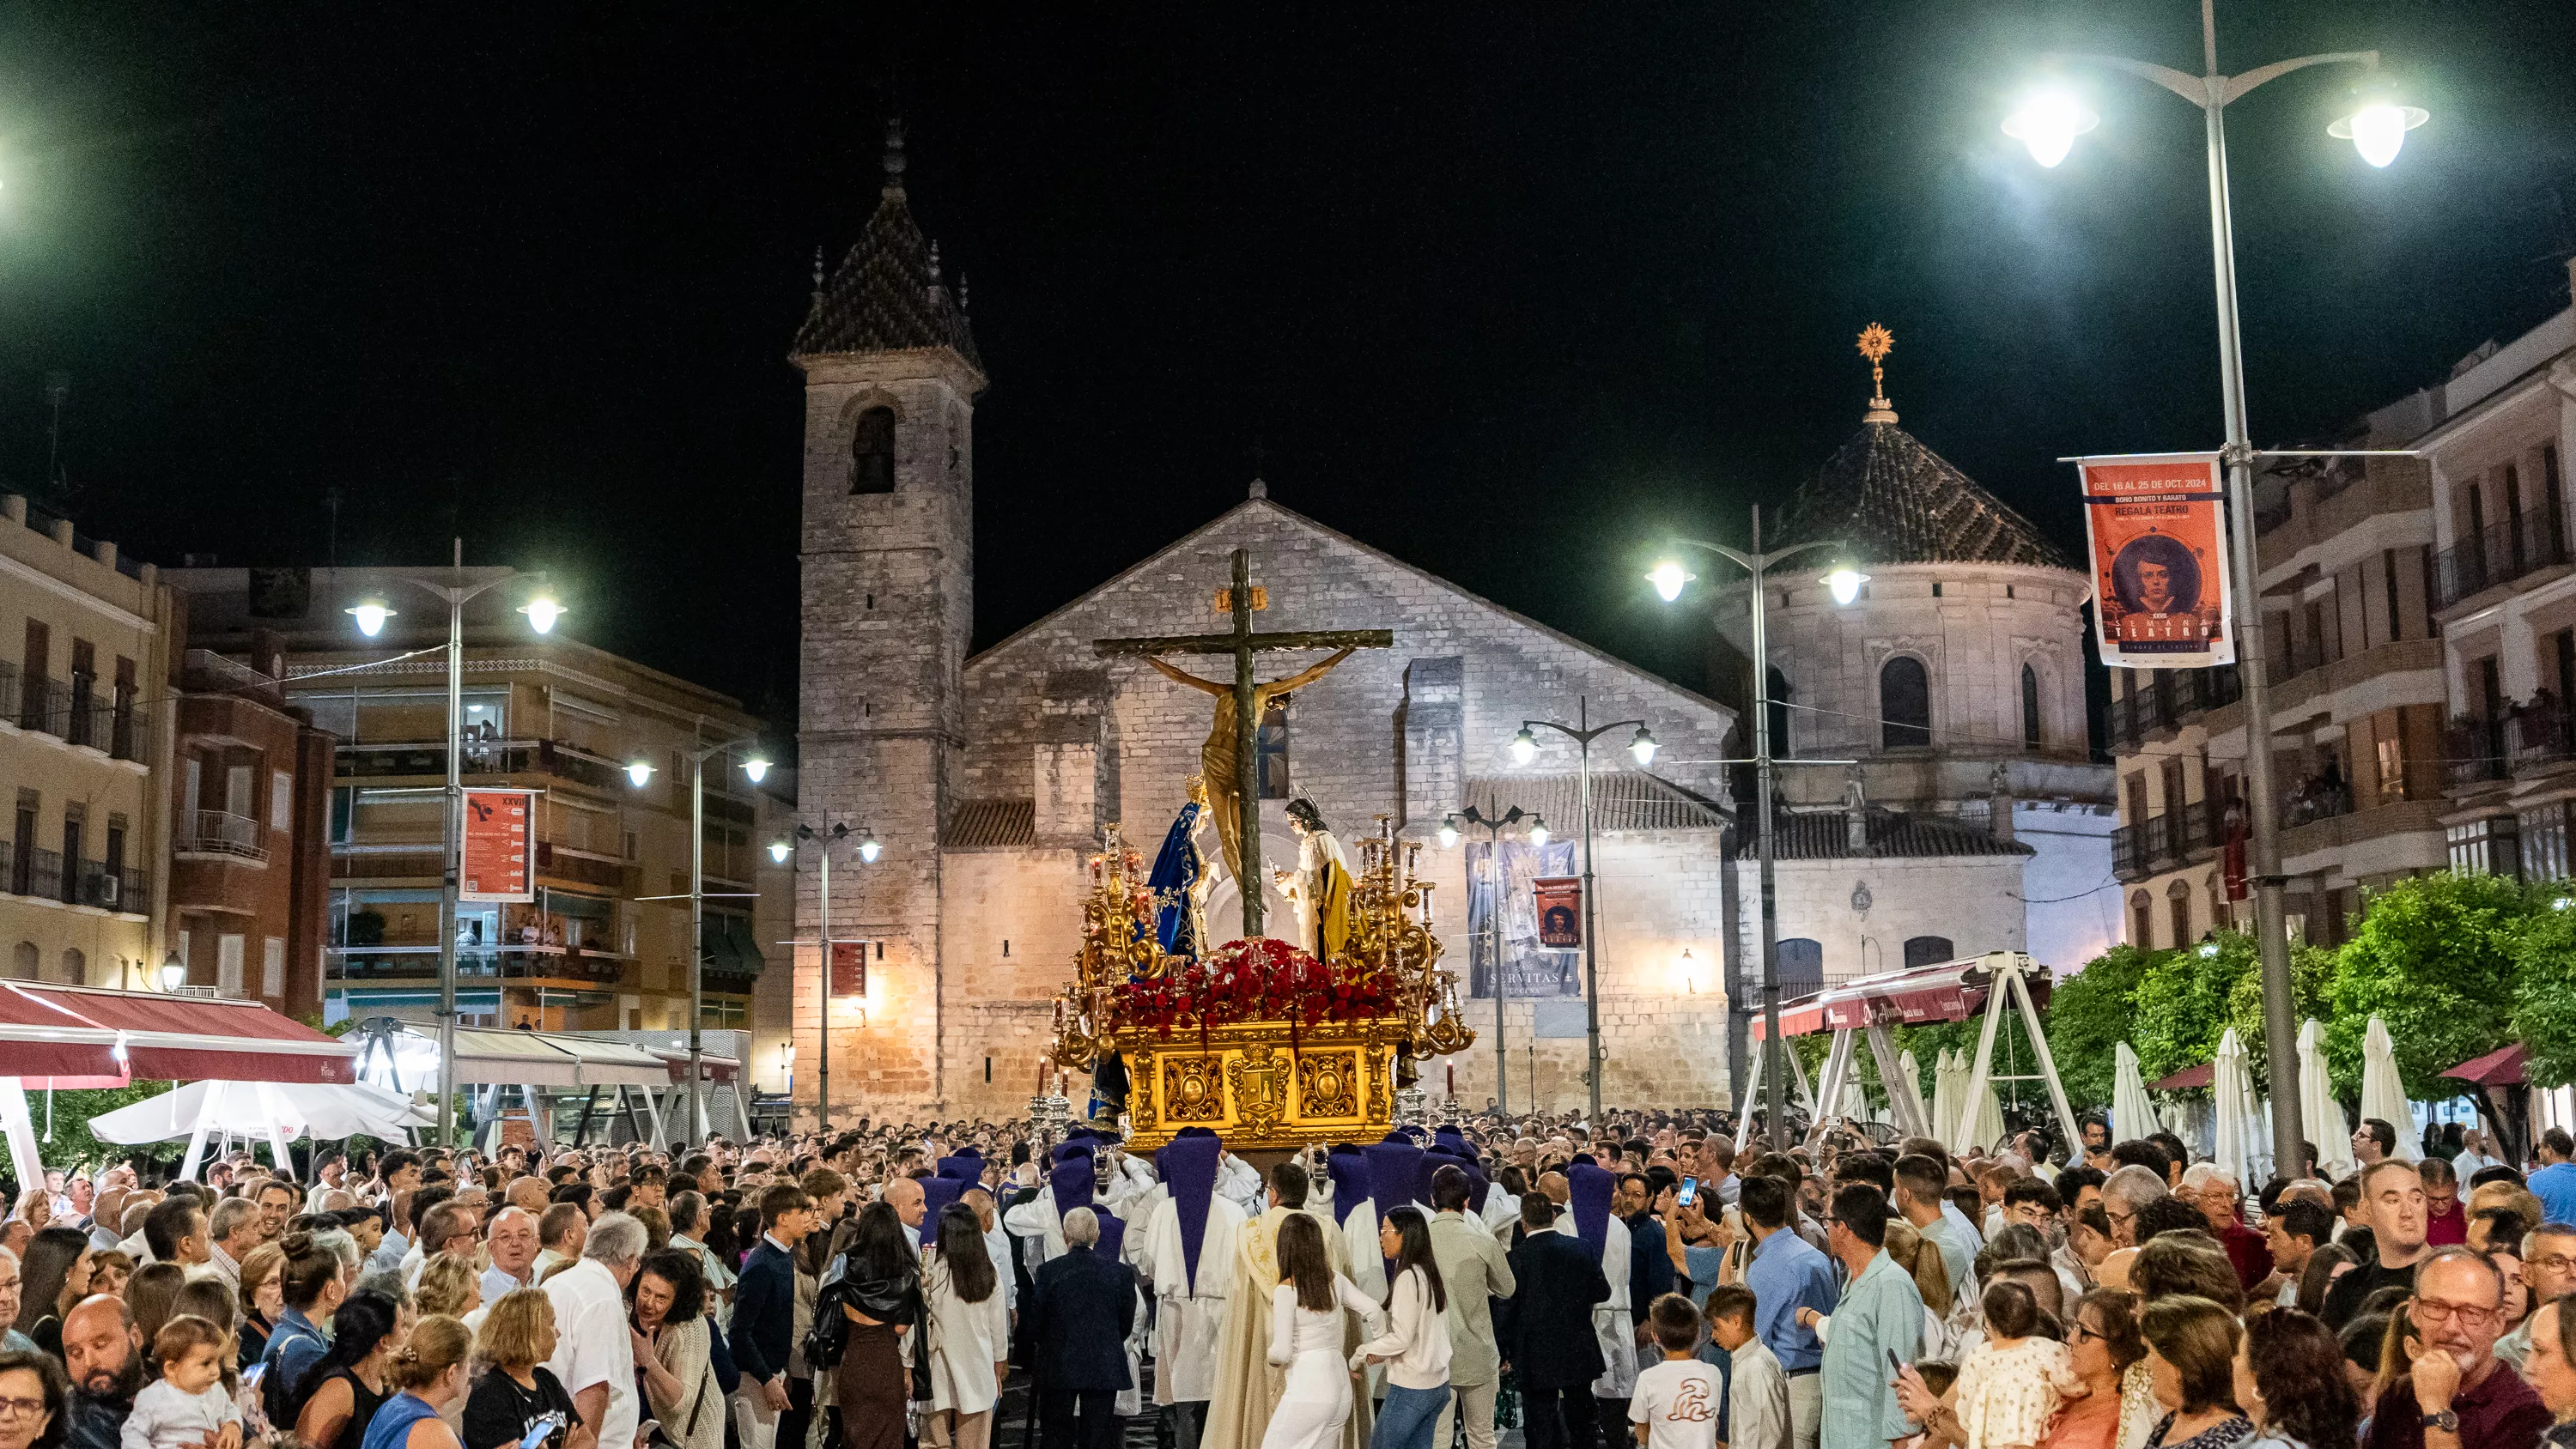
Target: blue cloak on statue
{"type": "Point", "coordinates": [1176, 872]}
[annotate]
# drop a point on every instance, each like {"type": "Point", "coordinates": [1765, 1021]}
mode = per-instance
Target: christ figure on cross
{"type": "Point", "coordinates": [1219, 761]}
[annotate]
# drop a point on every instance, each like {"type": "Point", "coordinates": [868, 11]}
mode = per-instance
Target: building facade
{"type": "Point", "coordinates": [605, 943]}
{"type": "Point", "coordinates": [85, 714]}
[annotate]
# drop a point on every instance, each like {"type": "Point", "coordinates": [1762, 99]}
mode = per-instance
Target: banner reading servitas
{"type": "Point", "coordinates": [2158, 526]}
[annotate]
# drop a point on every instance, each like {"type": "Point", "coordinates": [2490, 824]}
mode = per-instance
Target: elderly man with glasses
{"type": "Point", "coordinates": [2454, 1392]}
{"type": "Point", "coordinates": [2549, 1272]}
{"type": "Point", "coordinates": [2212, 1191]}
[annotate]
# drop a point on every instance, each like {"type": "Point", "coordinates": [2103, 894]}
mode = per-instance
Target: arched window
{"type": "Point", "coordinates": [2029, 708]}
{"type": "Point", "coordinates": [2142, 922]}
{"type": "Point", "coordinates": [2217, 902]}
{"type": "Point", "coordinates": [872, 452]}
{"type": "Point", "coordinates": [2178, 901]}
{"type": "Point", "coordinates": [1776, 690]}
{"type": "Point", "coordinates": [75, 967]}
{"type": "Point", "coordinates": [1904, 702]}
{"type": "Point", "coordinates": [1926, 951]}
{"type": "Point", "coordinates": [26, 963]}
{"type": "Point", "coordinates": [1802, 968]}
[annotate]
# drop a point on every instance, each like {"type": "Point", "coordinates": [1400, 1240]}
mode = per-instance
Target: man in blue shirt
{"type": "Point", "coordinates": [2555, 1183]}
{"type": "Point", "coordinates": [1786, 1274]}
{"type": "Point", "coordinates": [1880, 1316]}
{"type": "Point", "coordinates": [1919, 1184]}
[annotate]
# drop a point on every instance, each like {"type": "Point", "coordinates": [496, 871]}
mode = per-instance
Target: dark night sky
{"type": "Point", "coordinates": [1509, 292]}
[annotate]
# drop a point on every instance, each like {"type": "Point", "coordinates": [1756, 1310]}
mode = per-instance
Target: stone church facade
{"type": "Point", "coordinates": [990, 780]}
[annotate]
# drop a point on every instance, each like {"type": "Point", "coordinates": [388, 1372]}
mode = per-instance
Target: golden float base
{"type": "Point", "coordinates": [1259, 1089]}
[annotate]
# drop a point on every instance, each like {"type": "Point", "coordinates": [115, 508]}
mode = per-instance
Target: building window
{"type": "Point", "coordinates": [2217, 902]}
{"type": "Point", "coordinates": [2178, 903]}
{"type": "Point", "coordinates": [272, 968]}
{"type": "Point", "coordinates": [2392, 765]}
{"type": "Point", "coordinates": [24, 962]}
{"type": "Point", "coordinates": [872, 452]}
{"type": "Point", "coordinates": [1270, 748]}
{"type": "Point", "coordinates": [2544, 842]}
{"type": "Point", "coordinates": [281, 800]}
{"type": "Point", "coordinates": [75, 967]}
{"type": "Point", "coordinates": [1802, 967]}
{"type": "Point", "coordinates": [228, 964]}
{"type": "Point", "coordinates": [2142, 922]}
{"type": "Point", "coordinates": [2484, 846]}
{"type": "Point", "coordinates": [1904, 702]}
{"type": "Point", "coordinates": [1926, 951]}
{"type": "Point", "coordinates": [1776, 690]}
{"type": "Point", "coordinates": [2029, 708]}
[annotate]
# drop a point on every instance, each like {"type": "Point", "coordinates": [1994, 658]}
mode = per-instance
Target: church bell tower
{"type": "Point", "coordinates": [887, 554]}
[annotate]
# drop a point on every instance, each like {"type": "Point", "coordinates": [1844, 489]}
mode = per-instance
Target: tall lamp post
{"type": "Point", "coordinates": [1493, 829]}
{"type": "Point", "coordinates": [2377, 125]}
{"type": "Point", "coordinates": [755, 767]}
{"type": "Point", "coordinates": [371, 613]}
{"type": "Point", "coordinates": [1669, 579]}
{"type": "Point", "coordinates": [1525, 749]}
{"type": "Point", "coordinates": [823, 840]}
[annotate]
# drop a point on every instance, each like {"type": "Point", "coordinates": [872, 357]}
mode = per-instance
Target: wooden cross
{"type": "Point", "coordinates": [1243, 644]}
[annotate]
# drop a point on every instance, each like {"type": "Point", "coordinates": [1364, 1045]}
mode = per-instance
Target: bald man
{"type": "Point", "coordinates": [904, 1196]}
{"type": "Point", "coordinates": [513, 1244]}
{"type": "Point", "coordinates": [104, 1351]}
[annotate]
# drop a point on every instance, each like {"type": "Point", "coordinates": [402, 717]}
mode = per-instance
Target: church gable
{"type": "Point", "coordinates": [1393, 731]}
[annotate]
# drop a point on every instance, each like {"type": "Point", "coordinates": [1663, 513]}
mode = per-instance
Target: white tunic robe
{"type": "Point", "coordinates": [1189, 1316]}
{"type": "Point", "coordinates": [1610, 1322]}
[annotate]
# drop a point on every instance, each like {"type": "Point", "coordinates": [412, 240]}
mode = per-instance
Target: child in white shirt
{"type": "Point", "coordinates": [1675, 1402]}
{"type": "Point", "coordinates": [187, 1404]}
{"type": "Point", "coordinates": [2010, 1385]}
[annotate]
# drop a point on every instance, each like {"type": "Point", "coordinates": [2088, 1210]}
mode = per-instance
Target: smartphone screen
{"type": "Point", "coordinates": [1689, 1192]}
{"type": "Point", "coordinates": [538, 1433]}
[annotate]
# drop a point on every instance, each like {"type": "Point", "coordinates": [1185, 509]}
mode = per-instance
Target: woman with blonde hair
{"type": "Point", "coordinates": [429, 1371]}
{"type": "Point", "coordinates": [449, 1286]}
{"type": "Point", "coordinates": [516, 1389]}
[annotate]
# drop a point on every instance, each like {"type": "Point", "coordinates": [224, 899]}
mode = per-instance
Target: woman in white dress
{"type": "Point", "coordinates": [1306, 1339]}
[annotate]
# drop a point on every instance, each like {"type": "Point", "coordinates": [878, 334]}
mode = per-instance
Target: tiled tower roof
{"type": "Point", "coordinates": [888, 295]}
{"type": "Point", "coordinates": [1898, 502]}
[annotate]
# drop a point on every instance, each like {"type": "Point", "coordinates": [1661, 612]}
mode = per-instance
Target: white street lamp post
{"type": "Point", "coordinates": [756, 767]}
{"type": "Point", "coordinates": [1493, 829]}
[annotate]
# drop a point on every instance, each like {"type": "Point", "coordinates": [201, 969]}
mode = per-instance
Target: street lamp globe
{"type": "Point", "coordinates": [371, 615]}
{"type": "Point", "coordinates": [542, 611]}
{"type": "Point", "coordinates": [1669, 579]}
{"type": "Point", "coordinates": [1844, 584]}
{"type": "Point", "coordinates": [1643, 747]}
{"type": "Point", "coordinates": [1538, 830]}
{"type": "Point", "coordinates": [639, 771]}
{"type": "Point", "coordinates": [2048, 124]}
{"type": "Point", "coordinates": [779, 850]}
{"type": "Point", "coordinates": [756, 769]}
{"type": "Point", "coordinates": [1524, 746]}
{"type": "Point", "coordinates": [2378, 129]}
{"type": "Point", "coordinates": [1448, 832]}
{"type": "Point", "coordinates": [868, 848]}
{"type": "Point", "coordinates": [174, 972]}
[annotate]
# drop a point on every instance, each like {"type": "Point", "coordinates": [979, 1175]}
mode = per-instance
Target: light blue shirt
{"type": "Point", "coordinates": [1958, 1247]}
{"type": "Point", "coordinates": [1976, 1236]}
{"type": "Point", "coordinates": [1881, 1313]}
{"type": "Point", "coordinates": [1787, 1274]}
{"type": "Point", "coordinates": [2555, 1186]}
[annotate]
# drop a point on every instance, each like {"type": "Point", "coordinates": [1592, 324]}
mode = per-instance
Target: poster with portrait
{"type": "Point", "coordinates": [1503, 926]}
{"type": "Point", "coordinates": [2158, 528]}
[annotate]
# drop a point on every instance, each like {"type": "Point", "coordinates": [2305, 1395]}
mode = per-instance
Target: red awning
{"type": "Point", "coordinates": [71, 1036]}
{"type": "Point", "coordinates": [2499, 1068]}
{"type": "Point", "coordinates": [719, 1069]}
{"type": "Point", "coordinates": [1953, 991]}
{"type": "Point", "coordinates": [2186, 1079]}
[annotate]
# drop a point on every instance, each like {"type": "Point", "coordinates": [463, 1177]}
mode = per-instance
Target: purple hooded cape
{"type": "Point", "coordinates": [1073, 1180]}
{"type": "Point", "coordinates": [1394, 1172]}
{"type": "Point", "coordinates": [1347, 1169]}
{"type": "Point", "coordinates": [936, 1194]}
{"type": "Point", "coordinates": [1113, 1232]}
{"type": "Point", "coordinates": [1591, 1191]}
{"type": "Point", "coordinates": [1189, 1174]}
{"type": "Point", "coordinates": [966, 1163]}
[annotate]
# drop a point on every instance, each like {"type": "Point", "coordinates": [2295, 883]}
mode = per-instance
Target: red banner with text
{"type": "Point", "coordinates": [849, 968]}
{"type": "Point", "coordinates": [1560, 910]}
{"type": "Point", "coordinates": [2158, 528]}
{"type": "Point", "coordinates": [500, 846]}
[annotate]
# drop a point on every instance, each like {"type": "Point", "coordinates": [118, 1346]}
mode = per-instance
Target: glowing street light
{"type": "Point", "coordinates": [1538, 830]}
{"type": "Point", "coordinates": [1524, 747]}
{"type": "Point", "coordinates": [1844, 584]}
{"type": "Point", "coordinates": [756, 769]}
{"type": "Point", "coordinates": [2377, 130]}
{"type": "Point", "coordinates": [542, 611]}
{"type": "Point", "coordinates": [1642, 745]}
{"type": "Point", "coordinates": [371, 616]}
{"type": "Point", "coordinates": [2048, 124]}
{"type": "Point", "coordinates": [779, 850]}
{"type": "Point", "coordinates": [639, 771]}
{"type": "Point", "coordinates": [869, 849]}
{"type": "Point", "coordinates": [1669, 579]}
{"type": "Point", "coordinates": [1449, 832]}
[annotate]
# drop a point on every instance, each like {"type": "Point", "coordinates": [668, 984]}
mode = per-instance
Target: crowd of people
{"type": "Point", "coordinates": [1639, 1282]}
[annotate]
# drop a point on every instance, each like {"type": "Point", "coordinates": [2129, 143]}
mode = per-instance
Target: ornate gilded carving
{"type": "Point", "coordinates": [1328, 1084]}
{"type": "Point", "coordinates": [1260, 1081]}
{"type": "Point", "coordinates": [1192, 1091]}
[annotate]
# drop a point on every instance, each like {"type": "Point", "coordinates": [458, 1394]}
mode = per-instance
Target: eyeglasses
{"type": "Point", "coordinates": [2083, 1331]}
{"type": "Point", "coordinates": [2554, 1263]}
{"type": "Point", "coordinates": [21, 1408]}
{"type": "Point", "coordinates": [2470, 1315]}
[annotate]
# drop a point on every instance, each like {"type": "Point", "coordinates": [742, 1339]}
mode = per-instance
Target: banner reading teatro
{"type": "Point", "coordinates": [2158, 526]}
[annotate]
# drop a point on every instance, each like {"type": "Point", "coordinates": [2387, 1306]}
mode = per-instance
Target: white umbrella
{"type": "Point", "coordinates": [2133, 1117]}
{"type": "Point", "coordinates": [2318, 1109]}
{"type": "Point", "coordinates": [2231, 1089]}
{"type": "Point", "coordinates": [253, 1109]}
{"type": "Point", "coordinates": [1945, 1094]}
{"type": "Point", "coordinates": [2382, 1094]}
{"type": "Point", "coordinates": [1911, 1086]}
{"type": "Point", "coordinates": [1986, 1128]}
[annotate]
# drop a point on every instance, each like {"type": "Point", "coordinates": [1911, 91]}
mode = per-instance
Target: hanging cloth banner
{"type": "Point", "coordinates": [500, 844]}
{"type": "Point", "coordinates": [2158, 527]}
{"type": "Point", "coordinates": [1559, 900]}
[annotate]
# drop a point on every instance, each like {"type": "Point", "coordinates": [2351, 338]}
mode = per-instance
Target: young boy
{"type": "Point", "coordinates": [1757, 1393]}
{"type": "Point", "coordinates": [1675, 1403]}
{"type": "Point", "coordinates": [187, 1404]}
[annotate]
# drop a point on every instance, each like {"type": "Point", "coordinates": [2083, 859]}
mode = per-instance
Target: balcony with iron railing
{"type": "Point", "coordinates": [2168, 699]}
{"type": "Point", "coordinates": [483, 757]}
{"type": "Point", "coordinates": [2499, 554]}
{"type": "Point", "coordinates": [220, 832]}
{"type": "Point", "coordinates": [73, 712]}
{"type": "Point", "coordinates": [2473, 752]}
{"type": "Point", "coordinates": [481, 962]}
{"type": "Point", "coordinates": [37, 874]}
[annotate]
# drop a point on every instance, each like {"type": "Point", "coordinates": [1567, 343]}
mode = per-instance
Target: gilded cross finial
{"type": "Point", "coordinates": [1875, 343]}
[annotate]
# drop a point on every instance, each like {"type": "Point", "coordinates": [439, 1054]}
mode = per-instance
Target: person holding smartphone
{"type": "Point", "coordinates": [517, 1395]}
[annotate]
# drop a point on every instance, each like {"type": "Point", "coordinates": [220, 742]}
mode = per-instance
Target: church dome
{"type": "Point", "coordinates": [1898, 502]}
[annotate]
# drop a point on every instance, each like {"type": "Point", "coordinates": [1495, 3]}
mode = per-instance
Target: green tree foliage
{"type": "Point", "coordinates": [2436, 959]}
{"type": "Point", "coordinates": [72, 1144]}
{"type": "Point", "coordinates": [2181, 1006]}
{"type": "Point", "coordinates": [2088, 1015]}
{"type": "Point", "coordinates": [2312, 973]}
{"type": "Point", "coordinates": [2544, 1002]}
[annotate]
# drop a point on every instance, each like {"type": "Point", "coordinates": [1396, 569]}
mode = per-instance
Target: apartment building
{"type": "Point", "coordinates": [2345, 551]}
{"type": "Point", "coordinates": [84, 738]}
{"type": "Point", "coordinates": [2496, 435]}
{"type": "Point", "coordinates": [605, 943]}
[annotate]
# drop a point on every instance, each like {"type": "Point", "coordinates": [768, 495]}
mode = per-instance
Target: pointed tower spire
{"type": "Point", "coordinates": [894, 156]}
{"type": "Point", "coordinates": [1875, 343]}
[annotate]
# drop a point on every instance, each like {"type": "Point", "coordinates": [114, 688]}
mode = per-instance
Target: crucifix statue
{"type": "Point", "coordinates": [1228, 759]}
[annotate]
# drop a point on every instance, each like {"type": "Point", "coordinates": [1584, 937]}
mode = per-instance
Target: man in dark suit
{"type": "Point", "coordinates": [764, 1314]}
{"type": "Point", "coordinates": [1552, 1346]}
{"type": "Point", "coordinates": [1078, 1320]}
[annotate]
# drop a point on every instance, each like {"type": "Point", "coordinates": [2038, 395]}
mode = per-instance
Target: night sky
{"type": "Point", "coordinates": [1508, 291]}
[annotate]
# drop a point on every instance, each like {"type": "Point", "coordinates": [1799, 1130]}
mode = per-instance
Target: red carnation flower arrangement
{"type": "Point", "coordinates": [1257, 980]}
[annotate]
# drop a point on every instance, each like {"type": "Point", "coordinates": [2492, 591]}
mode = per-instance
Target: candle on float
{"type": "Point", "coordinates": [1452, 1068]}
{"type": "Point", "coordinates": [1042, 1071]}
